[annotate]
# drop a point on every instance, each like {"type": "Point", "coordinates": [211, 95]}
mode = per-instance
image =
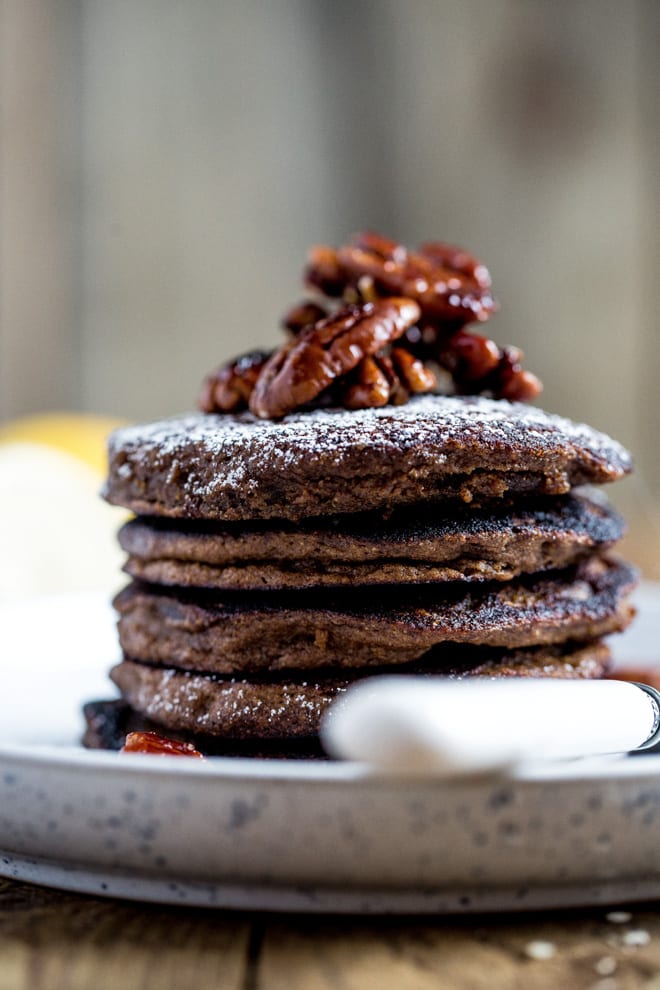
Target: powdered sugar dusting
{"type": "Point", "coordinates": [202, 703]}
{"type": "Point", "coordinates": [322, 431]}
{"type": "Point", "coordinates": [197, 457]}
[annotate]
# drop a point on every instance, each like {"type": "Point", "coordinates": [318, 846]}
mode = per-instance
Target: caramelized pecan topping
{"type": "Point", "coordinates": [229, 387]}
{"type": "Point", "coordinates": [478, 365]}
{"type": "Point", "coordinates": [395, 312]}
{"type": "Point", "coordinates": [296, 374]}
{"type": "Point", "coordinates": [446, 282]}
{"type": "Point", "coordinates": [387, 378]}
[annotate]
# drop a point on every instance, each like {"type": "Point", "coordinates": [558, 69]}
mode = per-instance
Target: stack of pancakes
{"type": "Point", "coordinates": [273, 564]}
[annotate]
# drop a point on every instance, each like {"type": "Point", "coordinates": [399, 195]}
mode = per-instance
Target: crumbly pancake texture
{"type": "Point", "coordinates": [324, 462]}
{"type": "Point", "coordinates": [292, 707]}
{"type": "Point", "coordinates": [228, 634]}
{"type": "Point", "coordinates": [415, 545]}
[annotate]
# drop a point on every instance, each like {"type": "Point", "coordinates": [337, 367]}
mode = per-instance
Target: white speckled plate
{"type": "Point", "coordinates": [302, 835]}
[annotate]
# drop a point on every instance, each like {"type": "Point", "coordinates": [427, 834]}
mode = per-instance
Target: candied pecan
{"type": "Point", "coordinates": [448, 256]}
{"type": "Point", "coordinates": [384, 247]}
{"type": "Point", "coordinates": [523, 386]}
{"type": "Point", "coordinates": [302, 315]}
{"type": "Point", "coordinates": [302, 369]}
{"type": "Point", "coordinates": [324, 271]}
{"type": "Point", "coordinates": [478, 365]}
{"type": "Point", "coordinates": [447, 283]}
{"type": "Point", "coordinates": [512, 381]}
{"type": "Point", "coordinates": [414, 376]}
{"type": "Point", "coordinates": [229, 387]}
{"type": "Point", "coordinates": [371, 386]}
{"type": "Point", "coordinates": [458, 260]}
{"type": "Point", "coordinates": [441, 292]}
{"type": "Point", "coordinates": [153, 742]}
{"type": "Point", "coordinates": [469, 356]}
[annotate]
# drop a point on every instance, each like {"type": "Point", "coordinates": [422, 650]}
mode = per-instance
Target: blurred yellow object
{"type": "Point", "coordinates": [81, 435]}
{"type": "Point", "coordinates": [56, 532]}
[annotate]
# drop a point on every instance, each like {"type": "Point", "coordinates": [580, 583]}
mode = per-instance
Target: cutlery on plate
{"type": "Point", "coordinates": [418, 724]}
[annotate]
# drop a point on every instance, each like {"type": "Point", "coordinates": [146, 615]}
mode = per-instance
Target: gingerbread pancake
{"type": "Point", "coordinates": [417, 545]}
{"type": "Point", "coordinates": [290, 706]}
{"type": "Point", "coordinates": [329, 461]}
{"type": "Point", "coordinates": [229, 634]}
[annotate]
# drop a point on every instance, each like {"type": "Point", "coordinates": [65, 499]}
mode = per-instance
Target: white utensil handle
{"type": "Point", "coordinates": [419, 724]}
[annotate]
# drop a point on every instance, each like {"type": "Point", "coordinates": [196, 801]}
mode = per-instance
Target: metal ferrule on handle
{"type": "Point", "coordinates": [653, 740]}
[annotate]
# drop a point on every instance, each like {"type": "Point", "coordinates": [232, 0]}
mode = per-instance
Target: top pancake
{"type": "Point", "coordinates": [470, 449]}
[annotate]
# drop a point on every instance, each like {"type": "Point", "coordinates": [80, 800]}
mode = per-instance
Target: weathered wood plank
{"type": "Point", "coordinates": [55, 940]}
{"type": "Point", "coordinates": [58, 941]}
{"type": "Point", "coordinates": [474, 954]}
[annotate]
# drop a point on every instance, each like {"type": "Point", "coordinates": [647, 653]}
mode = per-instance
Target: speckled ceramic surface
{"type": "Point", "coordinates": [298, 836]}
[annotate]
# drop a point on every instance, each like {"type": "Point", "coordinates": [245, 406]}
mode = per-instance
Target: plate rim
{"type": "Point", "coordinates": [617, 767]}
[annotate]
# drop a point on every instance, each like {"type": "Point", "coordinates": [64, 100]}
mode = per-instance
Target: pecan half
{"type": "Point", "coordinates": [303, 315]}
{"type": "Point", "coordinates": [385, 378]}
{"type": "Point", "coordinates": [439, 252]}
{"type": "Point", "coordinates": [229, 387]}
{"type": "Point", "coordinates": [372, 385]}
{"type": "Point", "coordinates": [458, 260]}
{"type": "Point", "coordinates": [384, 247]}
{"type": "Point", "coordinates": [512, 381]}
{"type": "Point", "coordinates": [469, 357]}
{"type": "Point", "coordinates": [413, 374]}
{"type": "Point", "coordinates": [296, 374]}
{"type": "Point", "coordinates": [478, 365]}
{"type": "Point", "coordinates": [447, 282]}
{"type": "Point", "coordinates": [324, 271]}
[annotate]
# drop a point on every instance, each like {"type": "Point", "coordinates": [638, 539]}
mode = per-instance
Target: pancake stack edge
{"type": "Point", "coordinates": [275, 563]}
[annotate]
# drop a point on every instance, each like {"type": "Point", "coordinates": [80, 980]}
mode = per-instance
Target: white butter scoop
{"type": "Point", "coordinates": [408, 724]}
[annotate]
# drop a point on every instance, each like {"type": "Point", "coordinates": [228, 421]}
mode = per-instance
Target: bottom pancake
{"type": "Point", "coordinates": [290, 706]}
{"type": "Point", "coordinates": [109, 722]}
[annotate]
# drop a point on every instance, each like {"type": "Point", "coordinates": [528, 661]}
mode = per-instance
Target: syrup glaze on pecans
{"type": "Point", "coordinates": [478, 365]}
{"type": "Point", "coordinates": [445, 281]}
{"type": "Point", "coordinates": [357, 355]}
{"type": "Point", "coordinates": [303, 315]}
{"type": "Point", "coordinates": [307, 365]}
{"type": "Point", "coordinates": [229, 387]}
{"type": "Point", "coordinates": [387, 378]}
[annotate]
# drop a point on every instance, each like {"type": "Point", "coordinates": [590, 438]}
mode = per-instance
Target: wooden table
{"type": "Point", "coordinates": [56, 941]}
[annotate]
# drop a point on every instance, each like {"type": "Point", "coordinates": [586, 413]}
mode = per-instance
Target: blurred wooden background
{"type": "Point", "coordinates": [164, 166]}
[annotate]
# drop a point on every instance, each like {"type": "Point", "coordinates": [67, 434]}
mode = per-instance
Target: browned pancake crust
{"type": "Point", "coordinates": [289, 708]}
{"type": "Point", "coordinates": [107, 723]}
{"type": "Point", "coordinates": [325, 462]}
{"type": "Point", "coordinates": [306, 630]}
{"type": "Point", "coordinates": [419, 545]}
